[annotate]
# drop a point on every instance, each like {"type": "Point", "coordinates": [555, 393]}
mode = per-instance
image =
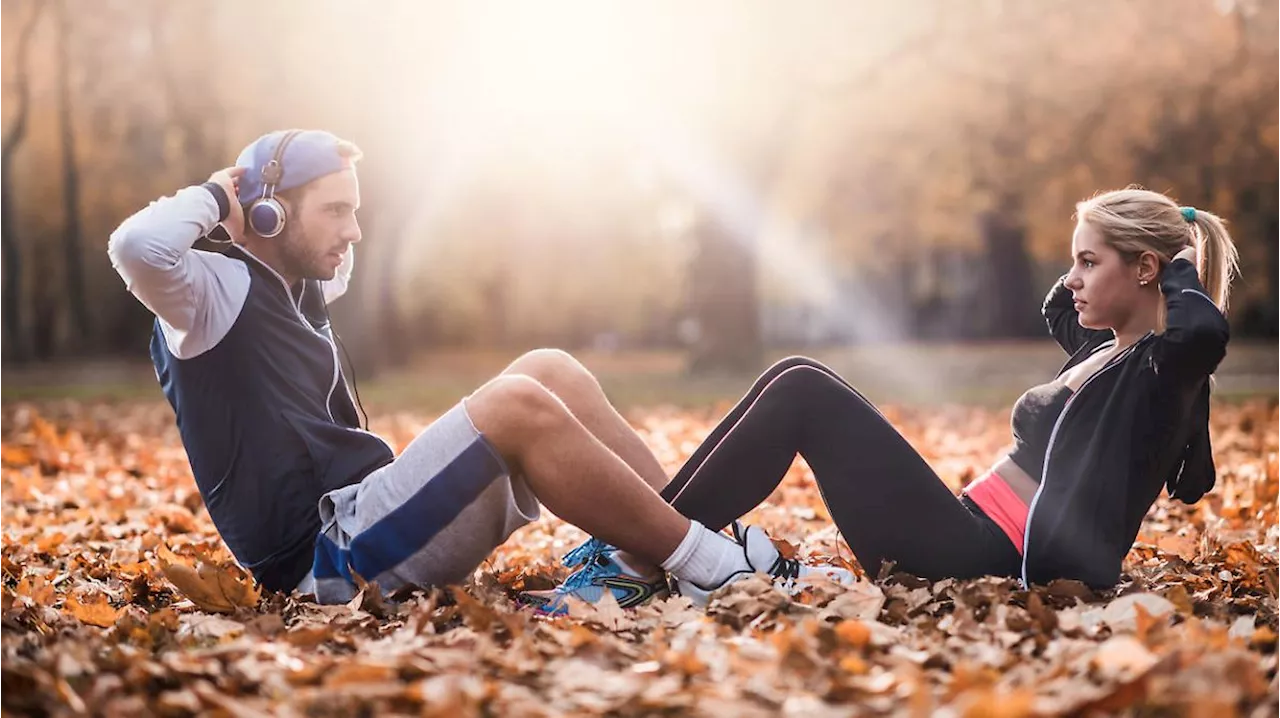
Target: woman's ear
{"type": "Point", "coordinates": [1148, 267]}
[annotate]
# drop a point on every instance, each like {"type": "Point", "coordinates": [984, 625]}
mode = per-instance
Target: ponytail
{"type": "Point", "coordinates": [1219, 261]}
{"type": "Point", "coordinates": [1134, 220]}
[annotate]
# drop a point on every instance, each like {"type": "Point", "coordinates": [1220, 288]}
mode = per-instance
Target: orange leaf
{"type": "Point", "coordinates": [15, 456]}
{"type": "Point", "coordinates": [95, 612]}
{"type": "Point", "coordinates": [350, 673]}
{"type": "Point", "coordinates": [853, 632]}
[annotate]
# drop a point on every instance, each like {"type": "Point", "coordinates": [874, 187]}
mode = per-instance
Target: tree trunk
{"type": "Point", "coordinates": [72, 253]}
{"type": "Point", "coordinates": [1271, 238]}
{"type": "Point", "coordinates": [1012, 305]}
{"type": "Point", "coordinates": [723, 299]}
{"type": "Point", "coordinates": [15, 346]}
{"type": "Point", "coordinates": [202, 141]}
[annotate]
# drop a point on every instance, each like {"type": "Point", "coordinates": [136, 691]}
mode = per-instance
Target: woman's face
{"type": "Point", "coordinates": [1105, 287]}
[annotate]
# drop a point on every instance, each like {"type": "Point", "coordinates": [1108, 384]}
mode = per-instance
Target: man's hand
{"type": "Point", "coordinates": [229, 180]}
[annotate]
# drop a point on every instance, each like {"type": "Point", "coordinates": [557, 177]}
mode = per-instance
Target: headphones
{"type": "Point", "coordinates": [266, 215]}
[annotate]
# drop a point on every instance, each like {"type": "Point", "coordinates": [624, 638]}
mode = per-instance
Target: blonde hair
{"type": "Point", "coordinates": [1135, 220]}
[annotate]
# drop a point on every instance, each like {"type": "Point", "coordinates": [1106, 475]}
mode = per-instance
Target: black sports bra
{"type": "Point", "coordinates": [1033, 419]}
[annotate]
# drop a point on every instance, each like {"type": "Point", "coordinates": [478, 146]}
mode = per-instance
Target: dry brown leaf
{"type": "Point", "coordinates": [1122, 613]}
{"type": "Point", "coordinates": [16, 456]}
{"type": "Point", "coordinates": [1123, 659]}
{"type": "Point", "coordinates": [352, 672]}
{"type": "Point", "coordinates": [863, 601]}
{"type": "Point", "coordinates": [216, 628]}
{"type": "Point", "coordinates": [175, 518]}
{"type": "Point", "coordinates": [987, 703]}
{"type": "Point", "coordinates": [853, 632]}
{"type": "Point", "coordinates": [96, 611]}
{"type": "Point", "coordinates": [221, 589]}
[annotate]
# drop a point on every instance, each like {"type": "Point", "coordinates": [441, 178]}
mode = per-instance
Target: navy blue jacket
{"type": "Point", "coordinates": [252, 373]}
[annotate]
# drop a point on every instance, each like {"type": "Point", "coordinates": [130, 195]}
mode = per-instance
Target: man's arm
{"type": "Point", "coordinates": [196, 295]}
{"type": "Point", "coordinates": [337, 286]}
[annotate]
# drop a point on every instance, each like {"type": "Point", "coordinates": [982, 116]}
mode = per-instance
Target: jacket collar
{"type": "Point", "coordinates": [254, 261]}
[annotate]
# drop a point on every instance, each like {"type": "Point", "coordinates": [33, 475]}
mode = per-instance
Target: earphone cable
{"type": "Point", "coordinates": [355, 387]}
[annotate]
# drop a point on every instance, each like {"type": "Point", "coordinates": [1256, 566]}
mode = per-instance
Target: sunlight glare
{"type": "Point", "coordinates": [561, 72]}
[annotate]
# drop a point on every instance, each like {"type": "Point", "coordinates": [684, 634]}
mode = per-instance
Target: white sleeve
{"type": "Point", "coordinates": [196, 295]}
{"type": "Point", "coordinates": [337, 286]}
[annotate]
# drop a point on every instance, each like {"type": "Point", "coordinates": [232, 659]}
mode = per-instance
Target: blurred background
{"type": "Point", "coordinates": [691, 188]}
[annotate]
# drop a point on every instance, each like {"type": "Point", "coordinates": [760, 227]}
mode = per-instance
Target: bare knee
{"type": "Point", "coordinates": [555, 369]}
{"type": "Point", "coordinates": [513, 410]}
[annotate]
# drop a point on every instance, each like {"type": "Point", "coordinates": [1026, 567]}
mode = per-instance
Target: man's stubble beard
{"type": "Point", "coordinates": [300, 259]}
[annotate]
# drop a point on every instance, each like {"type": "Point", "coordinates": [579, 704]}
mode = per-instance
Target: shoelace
{"type": "Point", "coordinates": [785, 568]}
{"type": "Point", "coordinates": [586, 552]}
{"type": "Point", "coordinates": [585, 575]}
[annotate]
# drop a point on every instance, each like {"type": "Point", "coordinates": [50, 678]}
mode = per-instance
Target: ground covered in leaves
{"type": "Point", "coordinates": [119, 599]}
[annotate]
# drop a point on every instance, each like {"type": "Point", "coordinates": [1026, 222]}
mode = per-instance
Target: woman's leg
{"type": "Point", "coordinates": [886, 500]}
{"type": "Point", "coordinates": [704, 449]}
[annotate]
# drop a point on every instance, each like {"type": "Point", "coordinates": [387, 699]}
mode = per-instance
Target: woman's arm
{"type": "Point", "coordinates": [1060, 314]}
{"type": "Point", "coordinates": [1195, 474]}
{"type": "Point", "coordinates": [1196, 332]}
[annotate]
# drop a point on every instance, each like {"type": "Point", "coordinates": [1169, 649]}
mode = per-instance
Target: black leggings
{"type": "Point", "coordinates": [885, 499]}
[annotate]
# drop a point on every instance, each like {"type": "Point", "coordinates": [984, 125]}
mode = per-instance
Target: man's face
{"type": "Point", "coordinates": [321, 227]}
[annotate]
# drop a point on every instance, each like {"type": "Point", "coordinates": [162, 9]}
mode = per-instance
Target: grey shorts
{"type": "Point", "coordinates": [429, 518]}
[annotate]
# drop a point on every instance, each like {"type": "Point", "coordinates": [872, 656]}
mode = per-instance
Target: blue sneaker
{"type": "Point", "coordinates": [588, 551]}
{"type": "Point", "coordinates": [600, 572]}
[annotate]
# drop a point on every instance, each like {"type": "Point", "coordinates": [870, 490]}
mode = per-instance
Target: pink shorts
{"type": "Point", "coordinates": [1001, 505]}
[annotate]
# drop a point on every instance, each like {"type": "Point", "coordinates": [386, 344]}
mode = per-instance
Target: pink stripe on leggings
{"type": "Point", "coordinates": [992, 494]}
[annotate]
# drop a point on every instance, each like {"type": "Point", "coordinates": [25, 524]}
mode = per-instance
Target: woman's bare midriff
{"type": "Point", "coordinates": [1017, 479]}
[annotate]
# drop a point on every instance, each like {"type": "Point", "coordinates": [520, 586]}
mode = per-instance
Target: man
{"type": "Point", "coordinates": [303, 496]}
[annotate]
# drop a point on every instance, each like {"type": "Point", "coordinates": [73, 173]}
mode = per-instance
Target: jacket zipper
{"type": "Point", "coordinates": [333, 349]}
{"type": "Point", "coordinates": [298, 311]}
{"type": "Point", "coordinates": [1053, 435]}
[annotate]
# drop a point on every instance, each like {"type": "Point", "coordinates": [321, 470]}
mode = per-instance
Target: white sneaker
{"type": "Point", "coordinates": [763, 557]}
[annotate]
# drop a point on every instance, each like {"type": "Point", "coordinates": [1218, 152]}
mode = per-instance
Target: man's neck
{"type": "Point", "coordinates": [268, 254]}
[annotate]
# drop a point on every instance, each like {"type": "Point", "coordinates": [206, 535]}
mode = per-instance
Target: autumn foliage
{"type": "Point", "coordinates": [119, 599]}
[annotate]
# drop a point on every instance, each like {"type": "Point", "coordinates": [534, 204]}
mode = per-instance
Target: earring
{"type": "Point", "coordinates": [1143, 282]}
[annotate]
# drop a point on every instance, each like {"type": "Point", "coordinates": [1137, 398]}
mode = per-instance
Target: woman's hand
{"type": "Point", "coordinates": [1189, 254]}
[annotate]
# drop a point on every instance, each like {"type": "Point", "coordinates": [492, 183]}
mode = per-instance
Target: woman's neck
{"type": "Point", "coordinates": [1142, 322]}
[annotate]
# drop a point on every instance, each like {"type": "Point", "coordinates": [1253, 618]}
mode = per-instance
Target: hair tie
{"type": "Point", "coordinates": [1188, 213]}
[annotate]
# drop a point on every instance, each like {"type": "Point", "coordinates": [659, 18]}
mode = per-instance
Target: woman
{"type": "Point", "coordinates": [1141, 316]}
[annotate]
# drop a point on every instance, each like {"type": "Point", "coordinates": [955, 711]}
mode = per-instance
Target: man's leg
{"type": "Point", "coordinates": [569, 380]}
{"type": "Point", "coordinates": [579, 479]}
{"type": "Point", "coordinates": [573, 472]}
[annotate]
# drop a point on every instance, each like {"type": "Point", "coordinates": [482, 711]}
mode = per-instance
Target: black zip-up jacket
{"type": "Point", "coordinates": [1139, 423]}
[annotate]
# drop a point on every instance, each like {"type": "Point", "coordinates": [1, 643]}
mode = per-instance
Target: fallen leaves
{"type": "Point", "coordinates": [1123, 659]}
{"type": "Point", "coordinates": [95, 612]}
{"type": "Point", "coordinates": [218, 587]}
{"type": "Point", "coordinates": [118, 597]}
